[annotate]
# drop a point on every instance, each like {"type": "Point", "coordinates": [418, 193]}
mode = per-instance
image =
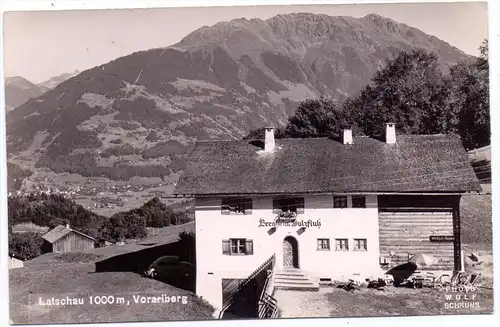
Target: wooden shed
{"type": "Point", "coordinates": [64, 239]}
{"type": "Point", "coordinates": [15, 261]}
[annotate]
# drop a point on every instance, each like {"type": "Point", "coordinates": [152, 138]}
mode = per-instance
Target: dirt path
{"type": "Point", "coordinates": [333, 302]}
{"type": "Point", "coordinates": [296, 304]}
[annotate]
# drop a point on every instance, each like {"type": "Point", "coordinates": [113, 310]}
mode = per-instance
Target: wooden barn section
{"type": "Point", "coordinates": [64, 239]}
{"type": "Point", "coordinates": [414, 224]}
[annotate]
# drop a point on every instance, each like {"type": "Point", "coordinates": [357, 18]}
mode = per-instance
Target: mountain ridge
{"type": "Point", "coordinates": [138, 115]}
{"type": "Point", "coordinates": [18, 90]}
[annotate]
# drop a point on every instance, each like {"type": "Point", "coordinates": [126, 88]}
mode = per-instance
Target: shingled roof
{"type": "Point", "coordinates": [416, 163]}
{"type": "Point", "coordinates": [59, 232]}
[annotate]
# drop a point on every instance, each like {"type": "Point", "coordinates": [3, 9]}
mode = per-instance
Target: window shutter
{"type": "Point", "coordinates": [300, 206]}
{"type": "Point", "coordinates": [249, 247]}
{"type": "Point", "coordinates": [224, 207]}
{"type": "Point", "coordinates": [248, 206]}
{"type": "Point", "coordinates": [276, 208]}
{"type": "Point", "coordinates": [226, 247]}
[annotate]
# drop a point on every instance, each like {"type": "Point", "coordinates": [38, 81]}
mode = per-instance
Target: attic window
{"type": "Point", "coordinates": [358, 202]}
{"type": "Point", "coordinates": [340, 201]}
{"type": "Point", "coordinates": [237, 206]}
{"type": "Point", "coordinates": [288, 205]}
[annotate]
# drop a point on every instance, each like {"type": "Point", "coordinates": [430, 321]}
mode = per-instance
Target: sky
{"type": "Point", "coordinates": [40, 45]}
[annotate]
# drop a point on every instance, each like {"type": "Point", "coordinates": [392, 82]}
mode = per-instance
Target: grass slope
{"type": "Point", "coordinates": [77, 280]}
{"type": "Point", "coordinates": [476, 219]}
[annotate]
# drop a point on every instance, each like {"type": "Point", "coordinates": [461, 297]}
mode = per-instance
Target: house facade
{"type": "Point", "coordinates": [335, 210]}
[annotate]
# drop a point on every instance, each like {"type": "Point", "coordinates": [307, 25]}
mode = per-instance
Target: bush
{"type": "Point", "coordinates": [117, 151]}
{"type": "Point", "coordinates": [56, 222]}
{"type": "Point", "coordinates": [122, 226]}
{"type": "Point", "coordinates": [25, 245]}
{"type": "Point", "coordinates": [162, 149]}
{"type": "Point", "coordinates": [152, 137]}
{"type": "Point", "coordinates": [116, 141]}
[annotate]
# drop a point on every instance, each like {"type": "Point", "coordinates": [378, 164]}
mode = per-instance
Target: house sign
{"type": "Point", "coordinates": [288, 222]}
{"type": "Point", "coordinates": [441, 238]}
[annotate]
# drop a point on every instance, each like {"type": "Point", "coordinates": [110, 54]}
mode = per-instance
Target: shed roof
{"type": "Point", "coordinates": [59, 232]}
{"type": "Point", "coordinates": [416, 163]}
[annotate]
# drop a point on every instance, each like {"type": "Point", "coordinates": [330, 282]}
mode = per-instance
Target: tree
{"type": "Point", "coordinates": [469, 99]}
{"type": "Point", "coordinates": [410, 92]}
{"type": "Point", "coordinates": [25, 245]}
{"type": "Point", "coordinates": [482, 60]}
{"type": "Point", "coordinates": [318, 118]}
{"type": "Point", "coordinates": [258, 134]}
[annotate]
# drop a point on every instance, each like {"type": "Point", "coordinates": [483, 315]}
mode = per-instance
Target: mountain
{"type": "Point", "coordinates": [54, 81]}
{"type": "Point", "coordinates": [138, 115]}
{"type": "Point", "coordinates": [18, 90]}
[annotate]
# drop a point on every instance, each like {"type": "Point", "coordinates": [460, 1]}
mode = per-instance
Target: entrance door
{"type": "Point", "coordinates": [290, 252]}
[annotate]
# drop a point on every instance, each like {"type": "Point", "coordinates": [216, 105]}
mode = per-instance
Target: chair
{"type": "Point", "coordinates": [462, 279]}
{"type": "Point", "coordinates": [442, 280]}
{"type": "Point", "coordinates": [429, 278]}
{"type": "Point", "coordinates": [456, 277]}
{"type": "Point", "coordinates": [471, 280]}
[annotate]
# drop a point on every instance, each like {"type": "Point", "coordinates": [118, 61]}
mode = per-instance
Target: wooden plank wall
{"type": "Point", "coordinates": [73, 242]}
{"type": "Point", "coordinates": [407, 233]}
{"type": "Point", "coordinates": [407, 222]}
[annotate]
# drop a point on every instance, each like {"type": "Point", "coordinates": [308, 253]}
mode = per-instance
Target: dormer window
{"type": "Point", "coordinates": [236, 206]}
{"type": "Point", "coordinates": [287, 206]}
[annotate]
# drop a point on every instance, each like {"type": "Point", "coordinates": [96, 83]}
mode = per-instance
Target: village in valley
{"type": "Point", "coordinates": [284, 167]}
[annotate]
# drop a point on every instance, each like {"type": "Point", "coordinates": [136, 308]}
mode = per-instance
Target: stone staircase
{"type": "Point", "coordinates": [294, 279]}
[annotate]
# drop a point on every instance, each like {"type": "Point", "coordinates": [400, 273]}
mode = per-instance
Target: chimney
{"type": "Point", "coordinates": [269, 139]}
{"type": "Point", "coordinates": [67, 226]}
{"type": "Point", "coordinates": [390, 133]}
{"type": "Point", "coordinates": [347, 136]}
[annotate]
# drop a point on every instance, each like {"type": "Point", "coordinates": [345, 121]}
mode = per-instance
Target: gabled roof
{"type": "Point", "coordinates": [59, 232]}
{"type": "Point", "coordinates": [416, 163]}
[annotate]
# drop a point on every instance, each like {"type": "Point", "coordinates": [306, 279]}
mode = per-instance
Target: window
{"type": "Point", "coordinates": [340, 201]}
{"type": "Point", "coordinates": [237, 206]}
{"type": "Point", "coordinates": [358, 202]}
{"type": "Point", "coordinates": [323, 244]}
{"type": "Point", "coordinates": [341, 244]}
{"type": "Point", "coordinates": [295, 205]}
{"type": "Point", "coordinates": [237, 246]}
{"type": "Point", "coordinates": [360, 244]}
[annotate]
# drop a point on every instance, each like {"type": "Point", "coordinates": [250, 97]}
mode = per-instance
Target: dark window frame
{"type": "Point", "coordinates": [323, 244]}
{"type": "Point", "coordinates": [339, 242]}
{"type": "Point", "coordinates": [237, 246]}
{"type": "Point", "coordinates": [358, 201]}
{"type": "Point", "coordinates": [292, 204]}
{"type": "Point", "coordinates": [340, 201]}
{"type": "Point", "coordinates": [359, 241]}
{"type": "Point", "coordinates": [236, 206]}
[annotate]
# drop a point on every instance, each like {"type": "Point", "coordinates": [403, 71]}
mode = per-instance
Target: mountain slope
{"type": "Point", "coordinates": [139, 114]}
{"type": "Point", "coordinates": [18, 90]}
{"type": "Point", "coordinates": [56, 80]}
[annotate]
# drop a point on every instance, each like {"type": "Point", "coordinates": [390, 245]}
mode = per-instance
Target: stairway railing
{"type": "Point", "coordinates": [266, 265]}
{"type": "Point", "coordinates": [268, 307]}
